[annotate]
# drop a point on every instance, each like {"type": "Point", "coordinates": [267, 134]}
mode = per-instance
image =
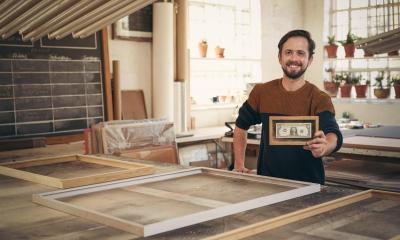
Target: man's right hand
{"type": "Point", "coordinates": [242, 170]}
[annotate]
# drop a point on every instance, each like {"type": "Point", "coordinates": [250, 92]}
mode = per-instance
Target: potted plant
{"type": "Point", "coordinates": [348, 44]}
{"type": "Point", "coordinates": [331, 48]}
{"type": "Point", "coordinates": [361, 86]}
{"type": "Point", "coordinates": [347, 84]}
{"type": "Point", "coordinates": [380, 91]}
{"type": "Point", "coordinates": [219, 52]}
{"type": "Point", "coordinates": [396, 84]}
{"type": "Point", "coordinates": [203, 48]}
{"type": "Point", "coordinates": [331, 87]}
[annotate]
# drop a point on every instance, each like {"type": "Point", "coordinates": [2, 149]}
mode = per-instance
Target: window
{"type": "Point", "coordinates": [235, 26]}
{"type": "Point", "coordinates": [364, 18]}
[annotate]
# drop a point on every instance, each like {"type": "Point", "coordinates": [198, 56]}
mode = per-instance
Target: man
{"type": "Point", "coordinates": [291, 95]}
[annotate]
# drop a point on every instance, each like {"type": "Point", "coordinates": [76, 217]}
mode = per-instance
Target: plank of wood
{"type": "Point", "coordinates": [107, 75]}
{"type": "Point", "coordinates": [178, 197]}
{"type": "Point", "coordinates": [64, 139]}
{"type": "Point", "coordinates": [126, 170]}
{"type": "Point", "coordinates": [105, 177]}
{"type": "Point", "coordinates": [166, 154]}
{"type": "Point", "coordinates": [133, 105]}
{"type": "Point", "coordinates": [116, 90]}
{"type": "Point", "coordinates": [386, 144]}
{"type": "Point", "coordinates": [40, 161]}
{"type": "Point", "coordinates": [111, 162]}
{"type": "Point", "coordinates": [46, 180]}
{"type": "Point", "coordinates": [89, 214]}
{"type": "Point", "coordinates": [282, 220]}
{"type": "Point", "coordinates": [19, 143]}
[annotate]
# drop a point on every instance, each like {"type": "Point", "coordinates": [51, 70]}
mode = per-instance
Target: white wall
{"type": "Point", "coordinates": [135, 65]}
{"type": "Point", "coordinates": [278, 17]}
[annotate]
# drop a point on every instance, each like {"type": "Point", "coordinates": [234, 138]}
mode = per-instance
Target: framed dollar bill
{"type": "Point", "coordinates": [292, 130]}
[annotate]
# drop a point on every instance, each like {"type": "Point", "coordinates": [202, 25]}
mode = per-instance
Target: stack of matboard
{"type": "Point", "coordinates": [150, 139]}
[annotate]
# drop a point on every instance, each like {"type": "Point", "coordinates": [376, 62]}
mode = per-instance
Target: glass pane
{"type": "Point", "coordinates": [359, 3]}
{"type": "Point", "coordinates": [342, 4]}
{"type": "Point", "coordinates": [359, 23]}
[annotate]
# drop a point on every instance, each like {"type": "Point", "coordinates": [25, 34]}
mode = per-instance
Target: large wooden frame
{"type": "Point", "coordinates": [121, 170]}
{"type": "Point", "coordinates": [269, 224]}
{"type": "Point", "coordinates": [80, 201]}
{"type": "Point", "coordinates": [274, 121]}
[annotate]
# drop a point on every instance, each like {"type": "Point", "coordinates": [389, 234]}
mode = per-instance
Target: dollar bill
{"type": "Point", "coordinates": [293, 130]}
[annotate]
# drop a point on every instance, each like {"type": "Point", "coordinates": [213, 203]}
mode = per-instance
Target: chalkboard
{"type": "Point", "coordinates": [50, 87]}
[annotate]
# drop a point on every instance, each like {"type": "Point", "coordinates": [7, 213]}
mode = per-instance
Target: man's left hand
{"type": "Point", "coordinates": [318, 145]}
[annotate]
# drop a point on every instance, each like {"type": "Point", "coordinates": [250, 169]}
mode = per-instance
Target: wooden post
{"type": "Point", "coordinates": [116, 90]}
{"type": "Point", "coordinates": [107, 78]}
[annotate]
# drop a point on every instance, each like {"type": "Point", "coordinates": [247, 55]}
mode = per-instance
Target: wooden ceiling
{"type": "Point", "coordinates": [57, 19]}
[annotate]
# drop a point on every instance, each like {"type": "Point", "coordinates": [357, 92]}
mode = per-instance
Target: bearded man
{"type": "Point", "coordinates": [291, 95]}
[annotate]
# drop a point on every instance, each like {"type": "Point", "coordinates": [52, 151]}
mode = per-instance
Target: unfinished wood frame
{"type": "Point", "coordinates": [198, 195]}
{"type": "Point", "coordinates": [113, 170]}
{"type": "Point", "coordinates": [286, 219]}
{"type": "Point", "coordinates": [311, 122]}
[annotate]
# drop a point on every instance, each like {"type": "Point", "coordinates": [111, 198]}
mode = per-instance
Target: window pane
{"type": "Point", "coordinates": [359, 23]}
{"type": "Point", "coordinates": [342, 4]}
{"type": "Point", "coordinates": [359, 3]}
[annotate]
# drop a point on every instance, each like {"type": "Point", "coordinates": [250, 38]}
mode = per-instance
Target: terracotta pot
{"type": "Point", "coordinates": [349, 49]}
{"type": "Point", "coordinates": [382, 93]}
{"type": "Point", "coordinates": [203, 49]}
{"type": "Point", "coordinates": [219, 52]}
{"type": "Point", "coordinates": [397, 90]}
{"type": "Point", "coordinates": [367, 53]}
{"type": "Point", "coordinates": [361, 91]}
{"type": "Point", "coordinates": [331, 50]}
{"type": "Point", "coordinates": [345, 90]}
{"type": "Point", "coordinates": [393, 53]}
{"type": "Point", "coordinates": [331, 88]}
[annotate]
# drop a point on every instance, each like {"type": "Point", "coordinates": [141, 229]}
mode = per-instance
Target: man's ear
{"type": "Point", "coordinates": [310, 60]}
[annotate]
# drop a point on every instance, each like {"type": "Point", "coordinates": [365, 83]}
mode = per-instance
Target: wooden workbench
{"type": "Point", "coordinates": [22, 219]}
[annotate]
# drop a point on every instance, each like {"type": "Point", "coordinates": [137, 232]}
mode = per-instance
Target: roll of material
{"type": "Point", "coordinates": [163, 61]}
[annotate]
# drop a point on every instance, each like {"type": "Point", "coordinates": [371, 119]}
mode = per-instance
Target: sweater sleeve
{"type": "Point", "coordinates": [328, 124]}
{"type": "Point", "coordinates": [248, 112]}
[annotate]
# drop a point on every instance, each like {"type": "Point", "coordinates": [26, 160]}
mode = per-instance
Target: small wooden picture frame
{"type": "Point", "coordinates": [135, 27]}
{"type": "Point", "coordinates": [292, 130]}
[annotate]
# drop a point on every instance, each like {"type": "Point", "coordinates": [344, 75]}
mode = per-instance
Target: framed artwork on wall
{"type": "Point", "coordinates": [135, 27]}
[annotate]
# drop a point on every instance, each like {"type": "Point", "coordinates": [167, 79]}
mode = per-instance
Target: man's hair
{"type": "Point", "coordinates": [298, 33]}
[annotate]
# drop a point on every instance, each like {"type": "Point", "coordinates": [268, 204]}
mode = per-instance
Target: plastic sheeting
{"type": "Point", "coordinates": [116, 137]}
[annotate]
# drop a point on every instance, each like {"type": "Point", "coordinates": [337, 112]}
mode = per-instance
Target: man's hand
{"type": "Point", "coordinates": [242, 170]}
{"type": "Point", "coordinates": [322, 144]}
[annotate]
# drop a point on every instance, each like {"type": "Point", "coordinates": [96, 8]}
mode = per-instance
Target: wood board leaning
{"type": "Point", "coordinates": [154, 204]}
{"type": "Point", "coordinates": [74, 170]}
{"type": "Point", "coordinates": [264, 227]}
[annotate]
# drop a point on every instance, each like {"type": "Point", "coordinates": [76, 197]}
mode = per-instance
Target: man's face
{"type": "Point", "coordinates": [294, 57]}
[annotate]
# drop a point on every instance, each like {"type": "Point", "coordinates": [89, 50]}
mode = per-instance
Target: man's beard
{"type": "Point", "coordinates": [294, 75]}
